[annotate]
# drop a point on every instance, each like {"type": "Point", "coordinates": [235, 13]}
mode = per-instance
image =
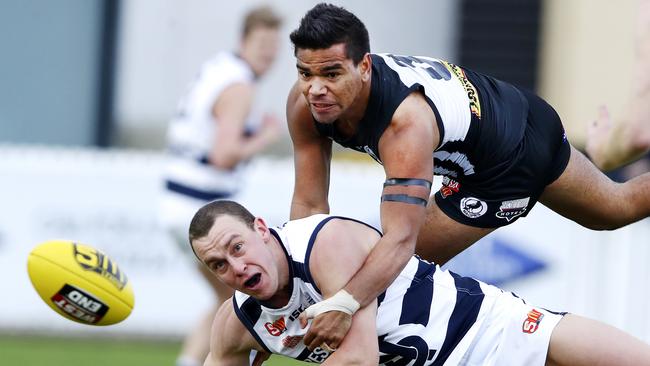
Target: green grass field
{"type": "Point", "coordinates": [44, 351]}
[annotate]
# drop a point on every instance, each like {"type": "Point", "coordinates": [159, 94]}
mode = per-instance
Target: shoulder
{"type": "Point", "coordinates": [299, 117]}
{"type": "Point", "coordinates": [297, 108]}
{"type": "Point", "coordinates": [330, 269]}
{"type": "Point", "coordinates": [413, 119]}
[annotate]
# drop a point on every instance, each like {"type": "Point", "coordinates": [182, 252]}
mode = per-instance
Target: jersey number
{"type": "Point", "coordinates": [433, 67]}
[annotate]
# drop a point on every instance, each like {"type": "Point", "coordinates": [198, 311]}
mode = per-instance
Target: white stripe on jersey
{"type": "Point", "coordinates": [449, 96]}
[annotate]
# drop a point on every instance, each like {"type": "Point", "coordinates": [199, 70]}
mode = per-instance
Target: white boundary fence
{"type": "Point", "coordinates": [109, 199]}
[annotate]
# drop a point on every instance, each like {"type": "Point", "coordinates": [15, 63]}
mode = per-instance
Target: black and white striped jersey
{"type": "Point", "coordinates": [427, 316]}
{"type": "Point", "coordinates": [481, 120]}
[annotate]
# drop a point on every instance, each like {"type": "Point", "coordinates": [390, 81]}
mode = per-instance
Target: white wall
{"type": "Point", "coordinates": [163, 42]}
{"type": "Point", "coordinates": [109, 199]}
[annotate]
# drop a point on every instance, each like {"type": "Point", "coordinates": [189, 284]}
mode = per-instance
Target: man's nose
{"type": "Point", "coordinates": [317, 88]}
{"type": "Point", "coordinates": [238, 266]}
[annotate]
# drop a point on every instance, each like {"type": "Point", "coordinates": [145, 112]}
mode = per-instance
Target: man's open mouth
{"type": "Point", "coordinates": [254, 280]}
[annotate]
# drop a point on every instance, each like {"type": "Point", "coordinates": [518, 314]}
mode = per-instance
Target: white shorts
{"type": "Point", "coordinates": [513, 333]}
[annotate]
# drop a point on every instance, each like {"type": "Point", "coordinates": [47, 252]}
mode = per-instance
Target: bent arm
{"type": "Point", "coordinates": [406, 149]}
{"type": "Point", "coordinates": [231, 110]}
{"type": "Point", "coordinates": [312, 156]}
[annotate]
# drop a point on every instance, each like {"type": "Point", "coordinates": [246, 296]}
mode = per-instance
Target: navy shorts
{"type": "Point", "coordinates": [538, 160]}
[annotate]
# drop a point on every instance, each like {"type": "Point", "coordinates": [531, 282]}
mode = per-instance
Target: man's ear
{"type": "Point", "coordinates": [365, 66]}
{"type": "Point", "coordinates": [260, 227]}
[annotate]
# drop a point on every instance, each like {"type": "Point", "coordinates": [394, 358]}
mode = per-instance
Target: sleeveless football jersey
{"type": "Point", "coordinates": [427, 316]}
{"type": "Point", "coordinates": [481, 120]}
{"type": "Point", "coordinates": [193, 130]}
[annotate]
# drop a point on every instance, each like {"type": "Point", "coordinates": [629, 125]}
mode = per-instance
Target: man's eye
{"type": "Point", "coordinates": [237, 247]}
{"type": "Point", "coordinates": [218, 266]}
{"type": "Point", "coordinates": [304, 74]}
{"type": "Point", "coordinates": [332, 75]}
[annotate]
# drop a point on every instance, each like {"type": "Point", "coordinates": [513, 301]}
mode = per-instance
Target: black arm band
{"type": "Point", "coordinates": [407, 182]}
{"type": "Point", "coordinates": [404, 198]}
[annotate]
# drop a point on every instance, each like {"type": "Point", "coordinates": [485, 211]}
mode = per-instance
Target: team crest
{"type": "Point", "coordinates": [473, 207]}
{"type": "Point", "coordinates": [512, 209]}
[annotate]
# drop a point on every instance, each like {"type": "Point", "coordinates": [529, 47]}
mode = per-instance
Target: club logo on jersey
{"type": "Point", "coordinates": [96, 261]}
{"type": "Point", "coordinates": [472, 95]}
{"type": "Point", "coordinates": [532, 321]}
{"type": "Point", "coordinates": [472, 207]}
{"type": "Point", "coordinates": [449, 187]}
{"type": "Point", "coordinates": [276, 328]}
{"type": "Point", "coordinates": [291, 341]}
{"type": "Point", "coordinates": [510, 210]}
{"type": "Point", "coordinates": [79, 304]}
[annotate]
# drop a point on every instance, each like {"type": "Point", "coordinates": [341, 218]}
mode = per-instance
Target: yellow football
{"type": "Point", "coordinates": [80, 282]}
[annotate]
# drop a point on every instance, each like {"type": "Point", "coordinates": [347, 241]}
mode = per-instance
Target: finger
{"type": "Point", "coordinates": [316, 342]}
{"type": "Point", "coordinates": [303, 321]}
{"type": "Point", "coordinates": [309, 337]}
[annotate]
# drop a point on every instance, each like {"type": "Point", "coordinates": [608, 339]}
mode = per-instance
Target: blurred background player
{"type": "Point", "coordinates": [210, 139]}
{"type": "Point", "coordinates": [612, 144]}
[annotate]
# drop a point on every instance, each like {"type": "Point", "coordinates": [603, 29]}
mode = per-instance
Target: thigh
{"type": "Point", "coordinates": [585, 195]}
{"type": "Point", "coordinates": [581, 341]}
{"type": "Point", "coordinates": [441, 237]}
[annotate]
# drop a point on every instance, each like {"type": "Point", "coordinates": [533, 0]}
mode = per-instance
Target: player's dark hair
{"type": "Point", "coordinates": [205, 217]}
{"type": "Point", "coordinates": [326, 25]}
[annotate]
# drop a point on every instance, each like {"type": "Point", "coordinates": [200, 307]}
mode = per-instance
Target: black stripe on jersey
{"type": "Point", "coordinates": [420, 292]}
{"type": "Point", "coordinates": [312, 239]}
{"type": "Point", "coordinates": [469, 298]}
{"type": "Point", "coordinates": [195, 193]}
{"type": "Point", "coordinates": [249, 314]}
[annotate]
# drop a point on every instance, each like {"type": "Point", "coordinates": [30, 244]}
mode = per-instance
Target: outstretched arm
{"type": "Point", "coordinates": [406, 149]}
{"type": "Point", "coordinates": [230, 343]}
{"type": "Point", "coordinates": [312, 155]}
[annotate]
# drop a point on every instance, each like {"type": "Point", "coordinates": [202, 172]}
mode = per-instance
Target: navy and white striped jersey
{"type": "Point", "coordinates": [481, 120]}
{"type": "Point", "coordinates": [427, 316]}
{"type": "Point", "coordinates": [193, 130]}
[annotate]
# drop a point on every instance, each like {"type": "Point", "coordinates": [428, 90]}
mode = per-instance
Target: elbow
{"type": "Point", "coordinates": [405, 241]}
{"type": "Point", "coordinates": [224, 161]}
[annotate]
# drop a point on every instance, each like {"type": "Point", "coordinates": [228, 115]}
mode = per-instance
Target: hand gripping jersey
{"type": "Point", "coordinates": [192, 132]}
{"type": "Point", "coordinates": [499, 146]}
{"type": "Point", "coordinates": [427, 316]}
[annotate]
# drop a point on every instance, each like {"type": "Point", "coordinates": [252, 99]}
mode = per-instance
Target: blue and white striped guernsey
{"type": "Point", "coordinates": [426, 317]}
{"type": "Point", "coordinates": [193, 130]}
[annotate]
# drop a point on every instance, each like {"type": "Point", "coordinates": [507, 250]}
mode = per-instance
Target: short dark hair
{"type": "Point", "coordinates": [261, 17]}
{"type": "Point", "coordinates": [205, 217]}
{"type": "Point", "coordinates": [326, 25]}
